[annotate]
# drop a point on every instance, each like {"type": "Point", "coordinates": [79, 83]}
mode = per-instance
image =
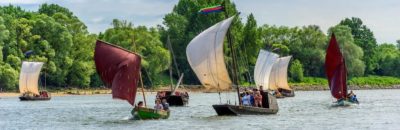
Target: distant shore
{"type": "Point", "coordinates": [191, 88]}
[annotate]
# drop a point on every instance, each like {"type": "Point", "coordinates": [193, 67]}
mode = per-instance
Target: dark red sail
{"type": "Point", "coordinates": [119, 70]}
{"type": "Point", "coordinates": [335, 69]}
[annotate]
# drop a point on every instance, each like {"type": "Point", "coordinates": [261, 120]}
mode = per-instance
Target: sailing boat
{"type": "Point", "coordinates": [28, 82]}
{"type": "Point", "coordinates": [278, 79]}
{"type": "Point", "coordinates": [119, 69]}
{"type": "Point", "coordinates": [335, 68]}
{"type": "Point", "coordinates": [206, 58]}
{"type": "Point", "coordinates": [174, 97]}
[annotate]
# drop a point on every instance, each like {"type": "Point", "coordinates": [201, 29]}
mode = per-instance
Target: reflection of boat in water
{"type": "Point", "coordinates": [28, 82]}
{"type": "Point", "coordinates": [119, 70]}
{"type": "Point", "coordinates": [335, 68]}
{"type": "Point", "coordinates": [205, 56]}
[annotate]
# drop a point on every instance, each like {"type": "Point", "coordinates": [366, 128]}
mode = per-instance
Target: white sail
{"type": "Point", "coordinates": [281, 73]}
{"type": "Point", "coordinates": [29, 76]}
{"type": "Point", "coordinates": [206, 57]}
{"type": "Point", "coordinates": [263, 67]}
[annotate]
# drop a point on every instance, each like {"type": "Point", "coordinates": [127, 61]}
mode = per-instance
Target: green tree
{"type": "Point", "coordinates": [387, 56]}
{"type": "Point", "coordinates": [364, 38]}
{"type": "Point", "coordinates": [8, 77]}
{"type": "Point", "coordinates": [296, 71]}
{"type": "Point", "coordinates": [353, 54]}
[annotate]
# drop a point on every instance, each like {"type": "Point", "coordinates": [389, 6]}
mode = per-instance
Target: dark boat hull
{"type": "Point", "coordinates": [271, 107]}
{"type": "Point", "coordinates": [286, 93]}
{"type": "Point", "coordinates": [175, 100]}
{"type": "Point", "coordinates": [29, 98]}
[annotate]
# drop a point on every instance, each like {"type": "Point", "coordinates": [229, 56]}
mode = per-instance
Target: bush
{"type": "Point", "coordinates": [296, 71]}
{"type": "Point", "coordinates": [8, 77]}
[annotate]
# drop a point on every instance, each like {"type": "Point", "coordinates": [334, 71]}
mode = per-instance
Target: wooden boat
{"type": "Point", "coordinates": [177, 98]}
{"type": "Point", "coordinates": [335, 68]}
{"type": "Point", "coordinates": [206, 58]}
{"type": "Point", "coordinates": [141, 113]}
{"type": "Point", "coordinates": [278, 79]}
{"type": "Point", "coordinates": [28, 82]}
{"type": "Point", "coordinates": [119, 69]}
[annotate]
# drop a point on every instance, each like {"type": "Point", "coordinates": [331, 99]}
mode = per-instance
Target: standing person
{"type": "Point", "coordinates": [165, 104]}
{"type": "Point", "coordinates": [251, 98]}
{"type": "Point", "coordinates": [246, 99]}
{"type": "Point", "coordinates": [258, 99]}
{"type": "Point", "coordinates": [158, 105]}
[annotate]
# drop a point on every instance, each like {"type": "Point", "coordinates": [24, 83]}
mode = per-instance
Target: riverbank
{"type": "Point", "coordinates": [197, 89]}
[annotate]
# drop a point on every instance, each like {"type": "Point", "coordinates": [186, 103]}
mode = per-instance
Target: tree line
{"type": "Point", "coordinates": [55, 36]}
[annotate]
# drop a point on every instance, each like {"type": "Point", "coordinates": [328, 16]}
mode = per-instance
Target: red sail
{"type": "Point", "coordinates": [335, 69]}
{"type": "Point", "coordinates": [119, 70]}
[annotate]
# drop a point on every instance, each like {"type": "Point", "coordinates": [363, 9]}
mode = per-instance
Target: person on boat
{"type": "Point", "coordinates": [352, 97]}
{"type": "Point", "coordinates": [246, 99]}
{"type": "Point", "coordinates": [278, 94]}
{"type": "Point", "coordinates": [258, 99]}
{"type": "Point", "coordinates": [158, 105]}
{"type": "Point", "coordinates": [140, 104]}
{"type": "Point", "coordinates": [165, 104]}
{"type": "Point", "coordinates": [251, 98]}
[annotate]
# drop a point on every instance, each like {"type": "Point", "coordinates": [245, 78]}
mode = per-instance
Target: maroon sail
{"type": "Point", "coordinates": [335, 69]}
{"type": "Point", "coordinates": [119, 70]}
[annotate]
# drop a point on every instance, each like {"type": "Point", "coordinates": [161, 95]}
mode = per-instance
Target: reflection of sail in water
{"type": "Point", "coordinates": [119, 70]}
{"type": "Point", "coordinates": [262, 70]}
{"type": "Point", "coordinates": [29, 76]}
{"type": "Point", "coordinates": [206, 57]}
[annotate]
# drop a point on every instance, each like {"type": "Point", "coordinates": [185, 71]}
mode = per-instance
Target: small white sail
{"type": "Point", "coordinates": [263, 67]}
{"type": "Point", "coordinates": [29, 76]}
{"type": "Point", "coordinates": [206, 57]}
{"type": "Point", "coordinates": [281, 75]}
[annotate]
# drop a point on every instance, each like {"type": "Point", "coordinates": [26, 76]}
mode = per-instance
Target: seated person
{"type": "Point", "coordinates": [165, 104]}
{"type": "Point", "coordinates": [246, 99]}
{"type": "Point", "coordinates": [158, 105]}
{"type": "Point", "coordinates": [258, 99]}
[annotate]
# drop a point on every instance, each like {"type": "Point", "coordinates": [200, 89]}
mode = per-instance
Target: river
{"type": "Point", "coordinates": [378, 109]}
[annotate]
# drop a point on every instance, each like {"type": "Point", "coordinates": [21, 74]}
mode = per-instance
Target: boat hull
{"type": "Point", "coordinates": [288, 93]}
{"type": "Point", "coordinates": [148, 113]}
{"type": "Point", "coordinates": [30, 98]}
{"type": "Point", "coordinates": [270, 106]}
{"type": "Point", "coordinates": [343, 103]}
{"type": "Point", "coordinates": [176, 100]}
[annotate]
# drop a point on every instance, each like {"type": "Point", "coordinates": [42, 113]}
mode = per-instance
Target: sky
{"type": "Point", "coordinates": [381, 16]}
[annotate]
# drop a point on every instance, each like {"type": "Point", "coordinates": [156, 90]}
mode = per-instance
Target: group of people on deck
{"type": "Point", "coordinates": [251, 98]}
{"type": "Point", "coordinates": [161, 105]}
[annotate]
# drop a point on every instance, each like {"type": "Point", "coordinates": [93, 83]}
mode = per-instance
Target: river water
{"type": "Point", "coordinates": [378, 109]}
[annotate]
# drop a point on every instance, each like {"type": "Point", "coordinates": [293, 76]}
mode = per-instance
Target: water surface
{"type": "Point", "coordinates": [378, 109]}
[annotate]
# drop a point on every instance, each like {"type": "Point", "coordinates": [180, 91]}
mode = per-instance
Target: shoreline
{"type": "Point", "coordinates": [190, 89]}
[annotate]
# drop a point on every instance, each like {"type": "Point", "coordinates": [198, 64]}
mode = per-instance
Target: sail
{"type": "Point", "coordinates": [279, 73]}
{"type": "Point", "coordinates": [335, 69]}
{"type": "Point", "coordinates": [29, 76]}
{"type": "Point", "coordinates": [206, 57]}
{"type": "Point", "coordinates": [263, 68]}
{"type": "Point", "coordinates": [118, 69]}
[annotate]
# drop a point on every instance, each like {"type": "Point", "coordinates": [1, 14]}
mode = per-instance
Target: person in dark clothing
{"type": "Point", "coordinates": [165, 104]}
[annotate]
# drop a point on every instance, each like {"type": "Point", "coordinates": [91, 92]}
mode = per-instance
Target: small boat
{"type": "Point", "coordinates": [119, 69]}
{"type": "Point", "coordinates": [278, 79]}
{"type": "Point", "coordinates": [176, 98]}
{"type": "Point", "coordinates": [142, 113]}
{"type": "Point", "coordinates": [28, 82]}
{"type": "Point", "coordinates": [206, 58]}
{"type": "Point", "coordinates": [335, 68]}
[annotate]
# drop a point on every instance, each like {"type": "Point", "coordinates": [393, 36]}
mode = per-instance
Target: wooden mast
{"type": "Point", "coordinates": [233, 54]}
{"type": "Point", "coordinates": [140, 74]}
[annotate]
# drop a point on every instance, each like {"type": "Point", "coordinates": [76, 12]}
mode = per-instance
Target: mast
{"type": "Point", "coordinates": [174, 60]}
{"type": "Point", "coordinates": [233, 54]}
{"type": "Point", "coordinates": [141, 83]}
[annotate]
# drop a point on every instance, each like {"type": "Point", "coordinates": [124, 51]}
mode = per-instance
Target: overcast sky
{"type": "Point", "coordinates": [381, 16]}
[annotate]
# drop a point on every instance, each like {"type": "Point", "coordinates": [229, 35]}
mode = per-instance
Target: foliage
{"type": "Point", "coordinates": [7, 77]}
{"type": "Point", "coordinates": [296, 71]}
{"type": "Point", "coordinates": [364, 38]}
{"type": "Point", "coordinates": [353, 54]}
